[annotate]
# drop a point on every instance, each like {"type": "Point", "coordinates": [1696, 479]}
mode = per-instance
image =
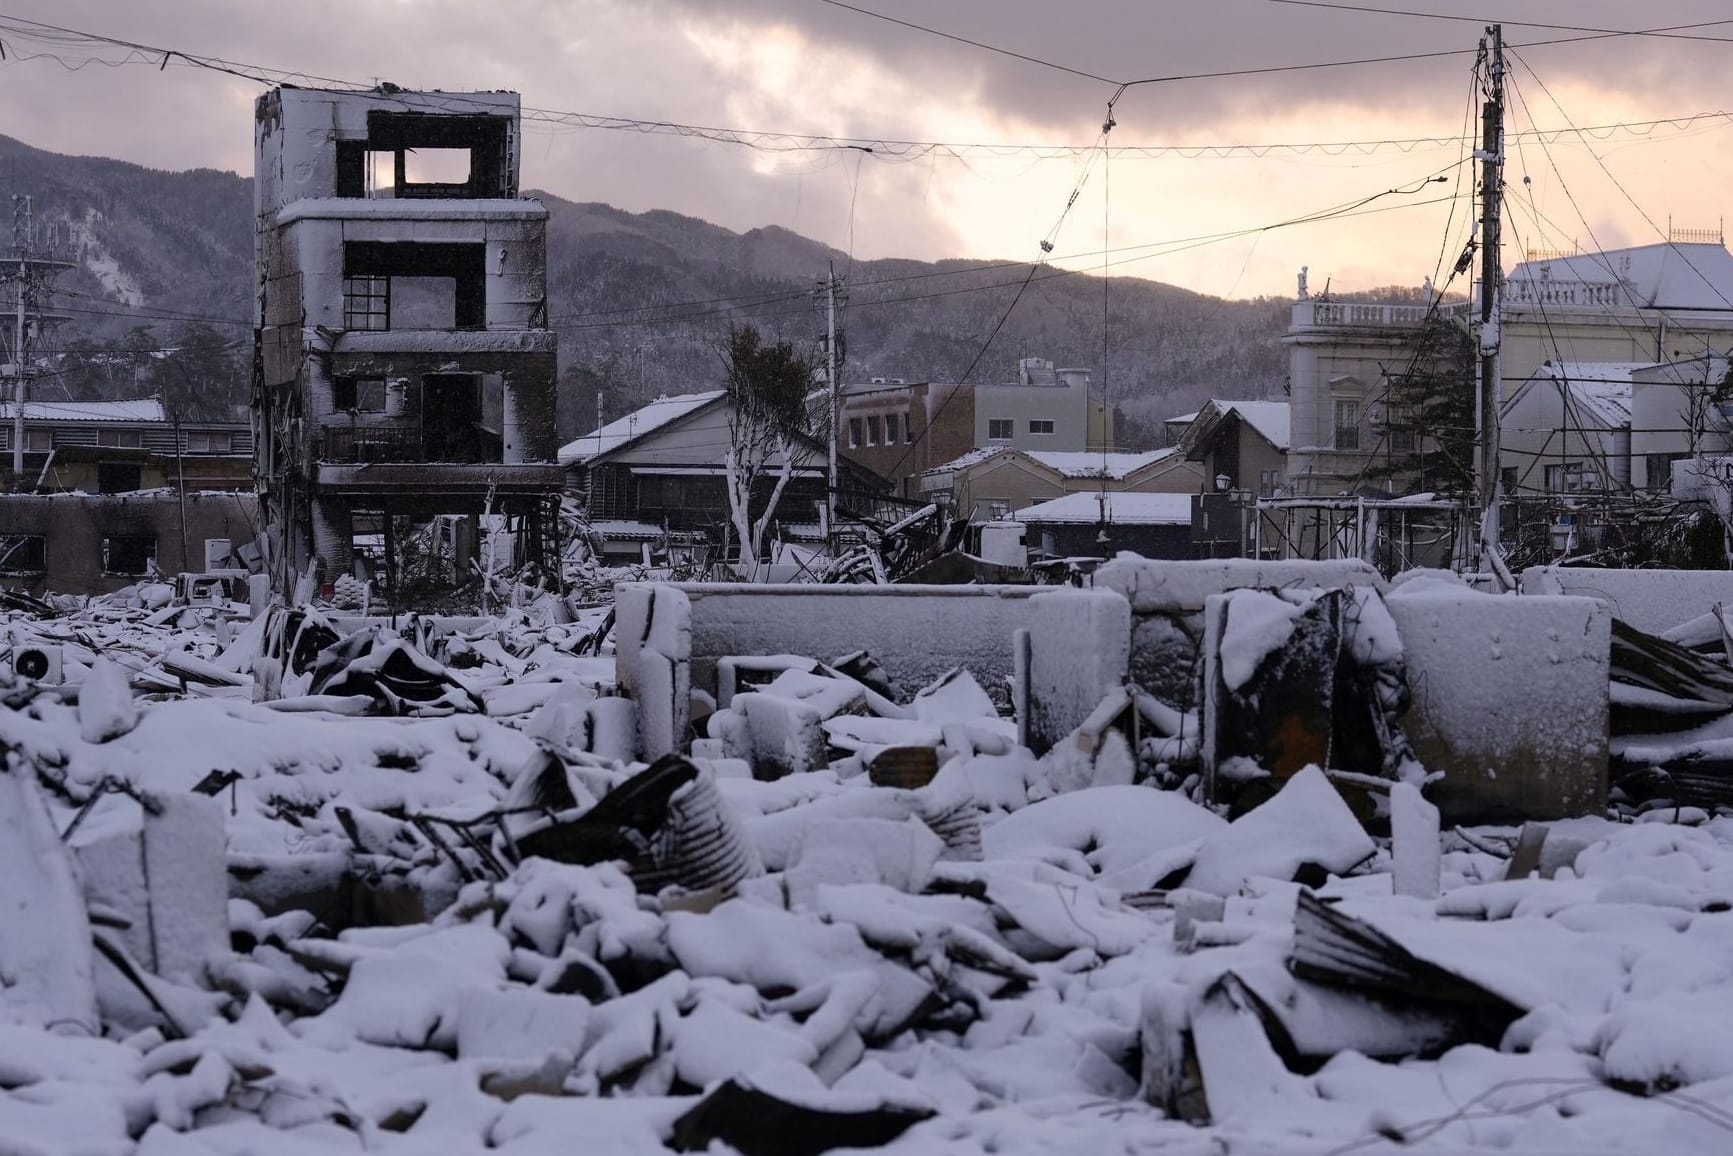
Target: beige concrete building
{"type": "Point", "coordinates": [1650, 304]}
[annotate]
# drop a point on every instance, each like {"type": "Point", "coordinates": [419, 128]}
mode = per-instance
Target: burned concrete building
{"type": "Point", "coordinates": [405, 369]}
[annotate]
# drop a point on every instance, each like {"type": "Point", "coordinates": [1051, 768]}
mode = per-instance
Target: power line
{"type": "Point", "coordinates": [970, 43]}
{"type": "Point", "coordinates": [881, 148]}
{"type": "Point", "coordinates": [1674, 32]}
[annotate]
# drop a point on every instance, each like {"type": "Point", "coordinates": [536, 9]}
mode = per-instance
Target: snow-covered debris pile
{"type": "Point", "coordinates": [468, 917]}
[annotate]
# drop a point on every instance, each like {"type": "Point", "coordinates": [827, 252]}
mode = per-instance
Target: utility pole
{"type": "Point", "coordinates": [829, 288]}
{"type": "Point", "coordinates": [1491, 156]}
{"type": "Point", "coordinates": [21, 243]}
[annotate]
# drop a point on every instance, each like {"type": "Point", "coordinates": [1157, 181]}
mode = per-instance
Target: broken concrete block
{"type": "Point", "coordinates": [1079, 653]}
{"type": "Point", "coordinates": [519, 1024]}
{"type": "Point", "coordinates": [105, 707]}
{"type": "Point", "coordinates": [1305, 823]}
{"type": "Point", "coordinates": [612, 728]}
{"type": "Point", "coordinates": [47, 966]}
{"type": "Point", "coordinates": [1414, 842]}
{"type": "Point", "coordinates": [185, 870]}
{"type": "Point", "coordinates": [786, 734]}
{"type": "Point", "coordinates": [714, 1042]}
{"type": "Point", "coordinates": [843, 851]}
{"type": "Point", "coordinates": [1516, 701]}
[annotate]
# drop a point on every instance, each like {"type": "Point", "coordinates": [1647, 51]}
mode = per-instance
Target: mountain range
{"type": "Point", "coordinates": [641, 300]}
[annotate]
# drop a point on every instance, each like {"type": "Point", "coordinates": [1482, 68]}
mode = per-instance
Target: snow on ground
{"type": "Point", "coordinates": [974, 966]}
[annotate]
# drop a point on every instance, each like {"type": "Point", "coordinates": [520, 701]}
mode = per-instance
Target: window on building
{"type": "Point", "coordinates": [908, 430]}
{"type": "Point", "coordinates": [995, 508]}
{"type": "Point", "coordinates": [23, 553]}
{"type": "Point", "coordinates": [361, 394]}
{"type": "Point", "coordinates": [209, 442]}
{"type": "Point", "coordinates": [890, 429]}
{"type": "Point", "coordinates": [873, 430]}
{"type": "Point", "coordinates": [1040, 425]}
{"type": "Point", "coordinates": [128, 555]}
{"type": "Point", "coordinates": [367, 303]}
{"type": "Point", "coordinates": [854, 433]}
{"type": "Point", "coordinates": [1658, 470]}
{"type": "Point", "coordinates": [127, 439]}
{"type": "Point", "coordinates": [1269, 481]}
{"type": "Point", "coordinates": [1507, 479]}
{"type": "Point", "coordinates": [1347, 424]}
{"type": "Point", "coordinates": [1568, 477]}
{"type": "Point", "coordinates": [414, 285]}
{"type": "Point", "coordinates": [1000, 429]}
{"type": "Point", "coordinates": [38, 441]}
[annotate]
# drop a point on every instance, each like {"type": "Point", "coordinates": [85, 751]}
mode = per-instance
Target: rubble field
{"type": "Point", "coordinates": [316, 883]}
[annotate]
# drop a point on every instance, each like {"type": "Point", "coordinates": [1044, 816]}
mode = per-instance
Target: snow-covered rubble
{"type": "Point", "coordinates": [422, 896]}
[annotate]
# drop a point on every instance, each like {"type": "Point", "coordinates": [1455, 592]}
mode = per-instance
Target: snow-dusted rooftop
{"type": "Point", "coordinates": [1072, 464]}
{"type": "Point", "coordinates": [1122, 509]}
{"type": "Point", "coordinates": [1665, 275]}
{"type": "Point", "coordinates": [1601, 387]}
{"type": "Point", "coordinates": [634, 425]}
{"type": "Point", "coordinates": [1269, 418]}
{"type": "Point", "coordinates": [1088, 465]}
{"type": "Point", "coordinates": [139, 409]}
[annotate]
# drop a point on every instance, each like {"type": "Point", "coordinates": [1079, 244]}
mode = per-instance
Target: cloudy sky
{"type": "Point", "coordinates": [804, 66]}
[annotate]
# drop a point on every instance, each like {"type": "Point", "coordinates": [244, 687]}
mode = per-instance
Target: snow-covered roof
{"type": "Point", "coordinates": [140, 409]}
{"type": "Point", "coordinates": [634, 425]}
{"type": "Point", "coordinates": [1601, 387]}
{"type": "Point", "coordinates": [1072, 464]}
{"type": "Point", "coordinates": [973, 457]}
{"type": "Point", "coordinates": [1269, 418]}
{"type": "Point", "coordinates": [1095, 465]}
{"type": "Point", "coordinates": [1122, 509]}
{"type": "Point", "coordinates": [1665, 275]}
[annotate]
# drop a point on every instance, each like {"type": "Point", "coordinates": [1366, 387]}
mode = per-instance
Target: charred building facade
{"type": "Point", "coordinates": [404, 365]}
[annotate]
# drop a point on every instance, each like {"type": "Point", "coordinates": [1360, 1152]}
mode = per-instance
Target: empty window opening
{"type": "Point", "coordinates": [451, 418]}
{"type": "Point", "coordinates": [119, 477]}
{"type": "Point", "coordinates": [128, 554]}
{"type": "Point", "coordinates": [417, 154]}
{"type": "Point", "coordinates": [23, 554]}
{"type": "Point", "coordinates": [358, 394]}
{"type": "Point", "coordinates": [414, 285]}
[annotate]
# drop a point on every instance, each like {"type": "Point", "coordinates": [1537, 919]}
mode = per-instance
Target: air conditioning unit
{"type": "Point", "coordinates": [39, 663]}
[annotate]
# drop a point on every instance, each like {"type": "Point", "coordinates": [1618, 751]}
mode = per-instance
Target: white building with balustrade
{"type": "Point", "coordinates": [1651, 304]}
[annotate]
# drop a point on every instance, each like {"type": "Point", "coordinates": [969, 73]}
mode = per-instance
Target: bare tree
{"type": "Point", "coordinates": [767, 387]}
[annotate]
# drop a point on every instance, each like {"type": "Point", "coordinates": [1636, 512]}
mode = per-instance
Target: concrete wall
{"type": "Point", "coordinates": [75, 525]}
{"type": "Point", "coordinates": [1079, 653]}
{"type": "Point", "coordinates": [1650, 600]}
{"type": "Point", "coordinates": [1510, 701]}
{"type": "Point", "coordinates": [1167, 602]}
{"type": "Point", "coordinates": [916, 632]}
